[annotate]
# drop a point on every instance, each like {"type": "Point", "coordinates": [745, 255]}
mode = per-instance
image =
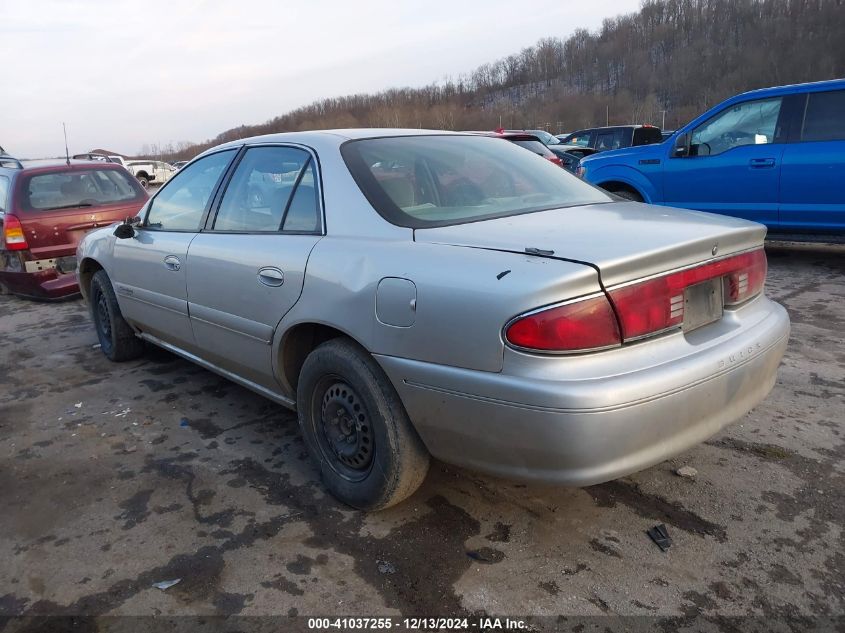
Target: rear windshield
{"type": "Point", "coordinates": [647, 135]}
{"type": "Point", "coordinates": [80, 188]}
{"type": "Point", "coordinates": [426, 181]}
{"type": "Point", "coordinates": [535, 146]}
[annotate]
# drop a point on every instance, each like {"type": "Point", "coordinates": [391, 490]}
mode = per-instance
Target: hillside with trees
{"type": "Point", "coordinates": [672, 59]}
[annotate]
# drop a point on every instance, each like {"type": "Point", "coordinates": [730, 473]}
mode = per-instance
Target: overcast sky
{"type": "Point", "coordinates": [123, 74]}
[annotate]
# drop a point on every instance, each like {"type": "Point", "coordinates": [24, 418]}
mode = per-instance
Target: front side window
{"type": "Point", "coordinates": [180, 204]}
{"type": "Point", "coordinates": [581, 139]}
{"type": "Point", "coordinates": [824, 119]}
{"type": "Point", "coordinates": [79, 188]}
{"type": "Point", "coordinates": [272, 190]}
{"type": "Point", "coordinates": [749, 123]}
{"type": "Point", "coordinates": [426, 181]}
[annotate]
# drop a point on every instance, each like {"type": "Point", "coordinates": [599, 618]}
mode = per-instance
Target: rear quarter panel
{"type": "Point", "coordinates": [464, 296]}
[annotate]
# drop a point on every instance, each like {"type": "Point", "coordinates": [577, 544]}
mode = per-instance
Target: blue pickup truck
{"type": "Point", "coordinates": [775, 155]}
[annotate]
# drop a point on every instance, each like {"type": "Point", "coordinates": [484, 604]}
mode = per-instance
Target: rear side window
{"type": "Point", "coordinates": [272, 190]}
{"type": "Point", "coordinates": [181, 203]}
{"type": "Point", "coordinates": [79, 188]}
{"type": "Point", "coordinates": [647, 136]}
{"type": "Point", "coordinates": [611, 139]}
{"type": "Point", "coordinates": [4, 192]}
{"type": "Point", "coordinates": [824, 119]}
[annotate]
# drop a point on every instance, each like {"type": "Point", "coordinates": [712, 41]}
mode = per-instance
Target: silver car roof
{"type": "Point", "coordinates": [340, 135]}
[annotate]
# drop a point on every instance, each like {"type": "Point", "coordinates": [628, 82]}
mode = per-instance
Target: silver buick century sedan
{"type": "Point", "coordinates": [415, 294]}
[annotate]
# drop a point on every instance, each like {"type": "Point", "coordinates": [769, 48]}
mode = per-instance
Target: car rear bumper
{"type": "Point", "coordinates": [582, 420]}
{"type": "Point", "coordinates": [44, 284]}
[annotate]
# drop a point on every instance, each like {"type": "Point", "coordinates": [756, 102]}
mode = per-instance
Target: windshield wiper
{"type": "Point", "coordinates": [69, 206]}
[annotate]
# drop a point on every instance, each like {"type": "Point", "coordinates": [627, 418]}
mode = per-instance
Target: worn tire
{"type": "Point", "coordinates": [399, 460]}
{"type": "Point", "coordinates": [633, 196]}
{"type": "Point", "coordinates": [117, 340]}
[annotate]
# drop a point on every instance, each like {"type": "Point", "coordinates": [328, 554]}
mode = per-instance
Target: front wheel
{"type": "Point", "coordinates": [628, 194]}
{"type": "Point", "coordinates": [356, 428]}
{"type": "Point", "coordinates": [117, 340]}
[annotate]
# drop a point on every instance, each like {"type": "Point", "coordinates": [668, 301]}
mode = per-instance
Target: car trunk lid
{"type": "Point", "coordinates": [624, 241]}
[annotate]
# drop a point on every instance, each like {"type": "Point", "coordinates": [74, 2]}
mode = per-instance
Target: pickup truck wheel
{"type": "Point", "coordinates": [628, 194]}
{"type": "Point", "coordinates": [117, 340]}
{"type": "Point", "coordinates": [356, 428]}
{"type": "Point", "coordinates": [144, 181]}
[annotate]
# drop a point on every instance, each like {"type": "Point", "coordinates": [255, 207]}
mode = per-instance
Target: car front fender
{"type": "Point", "coordinates": [623, 174]}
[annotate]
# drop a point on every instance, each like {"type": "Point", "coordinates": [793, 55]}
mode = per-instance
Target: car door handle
{"type": "Point", "coordinates": [270, 276]}
{"type": "Point", "coordinates": [171, 262]}
{"type": "Point", "coordinates": [761, 163]}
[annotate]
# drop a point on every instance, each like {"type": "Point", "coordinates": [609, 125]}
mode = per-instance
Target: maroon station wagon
{"type": "Point", "coordinates": [45, 209]}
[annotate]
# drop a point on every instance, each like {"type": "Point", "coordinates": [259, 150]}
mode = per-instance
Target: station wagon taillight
{"type": "Point", "coordinates": [657, 304]}
{"type": "Point", "coordinates": [13, 236]}
{"type": "Point", "coordinates": [577, 326]}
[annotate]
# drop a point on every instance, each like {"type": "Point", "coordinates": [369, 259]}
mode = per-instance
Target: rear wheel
{"type": "Point", "coordinates": [356, 428]}
{"type": "Point", "coordinates": [145, 182]}
{"type": "Point", "coordinates": [117, 340]}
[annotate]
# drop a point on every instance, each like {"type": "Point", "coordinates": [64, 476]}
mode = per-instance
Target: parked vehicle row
{"type": "Point", "coordinates": [147, 171]}
{"type": "Point", "coordinates": [614, 137]}
{"type": "Point", "coordinates": [417, 294]}
{"type": "Point", "coordinates": [45, 209]}
{"type": "Point", "coordinates": [776, 156]}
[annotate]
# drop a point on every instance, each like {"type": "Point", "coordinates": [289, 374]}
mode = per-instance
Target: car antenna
{"type": "Point", "coordinates": [67, 153]}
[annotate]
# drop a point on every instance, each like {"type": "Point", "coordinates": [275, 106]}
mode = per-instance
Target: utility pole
{"type": "Point", "coordinates": [607, 116]}
{"type": "Point", "coordinates": [663, 122]}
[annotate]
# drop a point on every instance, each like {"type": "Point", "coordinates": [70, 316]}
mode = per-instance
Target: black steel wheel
{"type": "Point", "coordinates": [346, 435]}
{"type": "Point", "coordinates": [356, 428]}
{"type": "Point", "coordinates": [117, 340]}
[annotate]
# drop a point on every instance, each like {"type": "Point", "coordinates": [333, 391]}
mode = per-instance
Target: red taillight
{"type": "Point", "coordinates": [13, 236]}
{"type": "Point", "coordinates": [657, 304]}
{"type": "Point", "coordinates": [556, 160]}
{"type": "Point", "coordinates": [572, 327]}
{"type": "Point", "coordinates": [748, 280]}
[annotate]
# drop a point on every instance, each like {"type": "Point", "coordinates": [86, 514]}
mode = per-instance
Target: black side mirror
{"type": "Point", "coordinates": [127, 229]}
{"type": "Point", "coordinates": [681, 148]}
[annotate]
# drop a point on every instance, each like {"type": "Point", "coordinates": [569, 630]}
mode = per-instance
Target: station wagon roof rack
{"type": "Point", "coordinates": [8, 161]}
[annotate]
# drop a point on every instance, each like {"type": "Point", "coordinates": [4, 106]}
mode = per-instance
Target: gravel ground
{"type": "Point", "coordinates": [116, 476]}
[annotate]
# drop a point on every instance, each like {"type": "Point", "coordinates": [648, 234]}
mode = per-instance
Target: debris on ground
{"type": "Point", "coordinates": [486, 555]}
{"type": "Point", "coordinates": [166, 584]}
{"type": "Point", "coordinates": [123, 413]}
{"type": "Point", "coordinates": [386, 568]}
{"type": "Point", "coordinates": [660, 535]}
{"type": "Point", "coordinates": [78, 405]}
{"type": "Point", "coordinates": [688, 472]}
{"type": "Point", "coordinates": [184, 422]}
{"type": "Point", "coordinates": [97, 346]}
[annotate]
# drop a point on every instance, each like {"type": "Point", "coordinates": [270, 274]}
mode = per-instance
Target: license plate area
{"type": "Point", "coordinates": [703, 304]}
